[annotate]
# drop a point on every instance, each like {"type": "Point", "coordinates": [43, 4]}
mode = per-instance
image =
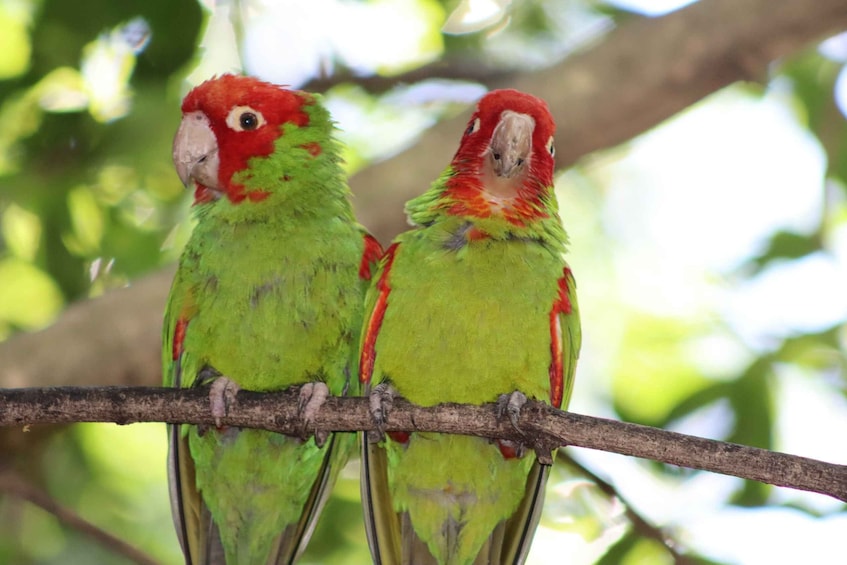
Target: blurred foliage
{"type": "Point", "coordinates": [87, 195]}
{"type": "Point", "coordinates": [89, 97]}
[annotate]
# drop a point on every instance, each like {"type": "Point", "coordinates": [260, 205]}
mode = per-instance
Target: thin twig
{"type": "Point", "coordinates": [641, 73]}
{"type": "Point", "coordinates": [541, 426]}
{"type": "Point", "coordinates": [13, 485]}
{"type": "Point", "coordinates": [451, 69]}
{"type": "Point", "coordinates": [639, 523]}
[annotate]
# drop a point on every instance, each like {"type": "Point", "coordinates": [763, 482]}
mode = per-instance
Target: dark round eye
{"type": "Point", "coordinates": [472, 127]}
{"type": "Point", "coordinates": [244, 118]}
{"type": "Point", "coordinates": [248, 121]}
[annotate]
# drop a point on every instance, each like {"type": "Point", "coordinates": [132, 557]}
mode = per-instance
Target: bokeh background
{"type": "Point", "coordinates": [710, 251]}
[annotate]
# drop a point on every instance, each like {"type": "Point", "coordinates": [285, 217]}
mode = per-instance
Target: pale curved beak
{"type": "Point", "coordinates": [511, 143]}
{"type": "Point", "coordinates": [196, 151]}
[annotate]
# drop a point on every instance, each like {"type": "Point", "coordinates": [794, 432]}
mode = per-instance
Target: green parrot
{"type": "Point", "coordinates": [268, 294]}
{"type": "Point", "coordinates": [475, 304]}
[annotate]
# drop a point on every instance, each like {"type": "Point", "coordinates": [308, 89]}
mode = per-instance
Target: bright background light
{"type": "Point", "coordinates": [685, 209]}
{"type": "Point", "coordinates": [668, 233]}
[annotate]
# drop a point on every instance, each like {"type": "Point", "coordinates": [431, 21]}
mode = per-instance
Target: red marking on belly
{"type": "Point", "coordinates": [313, 147]}
{"type": "Point", "coordinates": [509, 449]}
{"type": "Point", "coordinates": [258, 195]}
{"type": "Point", "coordinates": [399, 437]}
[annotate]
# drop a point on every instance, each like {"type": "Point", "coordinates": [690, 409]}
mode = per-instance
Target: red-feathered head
{"type": "Point", "coordinates": [226, 121]}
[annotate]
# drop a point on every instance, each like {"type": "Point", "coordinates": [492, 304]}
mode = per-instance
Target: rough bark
{"type": "Point", "coordinates": [636, 76]}
{"type": "Point", "coordinates": [541, 426]}
{"type": "Point", "coordinates": [632, 79]}
{"type": "Point", "coordinates": [114, 338]}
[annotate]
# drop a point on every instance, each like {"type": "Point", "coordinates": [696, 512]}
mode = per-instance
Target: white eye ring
{"type": "Point", "coordinates": [244, 118]}
{"type": "Point", "coordinates": [473, 127]}
{"type": "Point", "coordinates": [550, 147]}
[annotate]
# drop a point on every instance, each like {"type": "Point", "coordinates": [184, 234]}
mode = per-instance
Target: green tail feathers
{"type": "Point", "coordinates": [268, 294]}
{"type": "Point", "coordinates": [473, 305]}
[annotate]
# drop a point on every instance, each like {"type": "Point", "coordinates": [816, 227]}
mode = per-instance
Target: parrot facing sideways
{"type": "Point", "coordinates": [475, 304]}
{"type": "Point", "coordinates": [268, 294]}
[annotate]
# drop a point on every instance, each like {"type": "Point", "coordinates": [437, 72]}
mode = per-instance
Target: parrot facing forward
{"type": "Point", "coordinates": [268, 294]}
{"type": "Point", "coordinates": [475, 304]}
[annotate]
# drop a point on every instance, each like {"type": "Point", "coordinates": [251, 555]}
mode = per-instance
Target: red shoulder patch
{"type": "Point", "coordinates": [562, 305]}
{"type": "Point", "coordinates": [366, 361]}
{"type": "Point", "coordinates": [370, 257]}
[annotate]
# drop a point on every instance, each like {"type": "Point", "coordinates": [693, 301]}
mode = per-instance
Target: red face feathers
{"type": "Point", "coordinates": [505, 159]}
{"type": "Point", "coordinates": [226, 121]}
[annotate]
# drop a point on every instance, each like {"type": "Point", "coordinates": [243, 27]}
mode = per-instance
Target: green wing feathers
{"type": "Point", "coordinates": [268, 294]}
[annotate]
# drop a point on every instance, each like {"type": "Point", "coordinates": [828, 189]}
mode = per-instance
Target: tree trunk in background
{"type": "Point", "coordinates": [636, 76]}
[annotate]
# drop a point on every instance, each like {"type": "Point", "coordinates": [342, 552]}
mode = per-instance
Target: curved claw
{"type": "Point", "coordinates": [221, 396]}
{"type": "Point", "coordinates": [380, 403]}
{"type": "Point", "coordinates": [312, 397]}
{"type": "Point", "coordinates": [510, 405]}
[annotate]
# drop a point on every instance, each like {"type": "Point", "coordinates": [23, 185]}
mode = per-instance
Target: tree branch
{"type": "Point", "coordinates": [640, 524]}
{"type": "Point", "coordinates": [120, 333]}
{"type": "Point", "coordinates": [542, 426]}
{"type": "Point", "coordinates": [458, 69]}
{"type": "Point", "coordinates": [639, 74]}
{"type": "Point", "coordinates": [13, 485]}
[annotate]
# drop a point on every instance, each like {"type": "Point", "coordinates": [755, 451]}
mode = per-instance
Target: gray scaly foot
{"type": "Point", "coordinates": [221, 397]}
{"type": "Point", "coordinates": [312, 397]}
{"type": "Point", "coordinates": [509, 406]}
{"type": "Point", "coordinates": [380, 403]}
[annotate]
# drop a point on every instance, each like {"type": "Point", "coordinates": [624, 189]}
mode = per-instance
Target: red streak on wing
{"type": "Point", "coordinates": [371, 255]}
{"type": "Point", "coordinates": [313, 147]}
{"type": "Point", "coordinates": [562, 305]}
{"type": "Point", "coordinates": [258, 195]}
{"type": "Point", "coordinates": [366, 361]}
{"type": "Point", "coordinates": [179, 338]}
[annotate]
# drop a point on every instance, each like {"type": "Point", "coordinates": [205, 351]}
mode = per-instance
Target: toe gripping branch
{"type": "Point", "coordinates": [510, 406]}
{"type": "Point", "coordinates": [222, 393]}
{"type": "Point", "coordinates": [380, 403]}
{"type": "Point", "coordinates": [312, 397]}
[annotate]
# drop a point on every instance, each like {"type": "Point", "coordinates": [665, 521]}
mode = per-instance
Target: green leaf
{"type": "Point", "coordinates": [29, 298]}
{"type": "Point", "coordinates": [785, 245]}
{"type": "Point", "coordinates": [752, 401]}
{"type": "Point", "coordinates": [617, 551]}
{"type": "Point", "coordinates": [699, 399]}
{"type": "Point", "coordinates": [655, 370]}
{"type": "Point", "coordinates": [751, 398]}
